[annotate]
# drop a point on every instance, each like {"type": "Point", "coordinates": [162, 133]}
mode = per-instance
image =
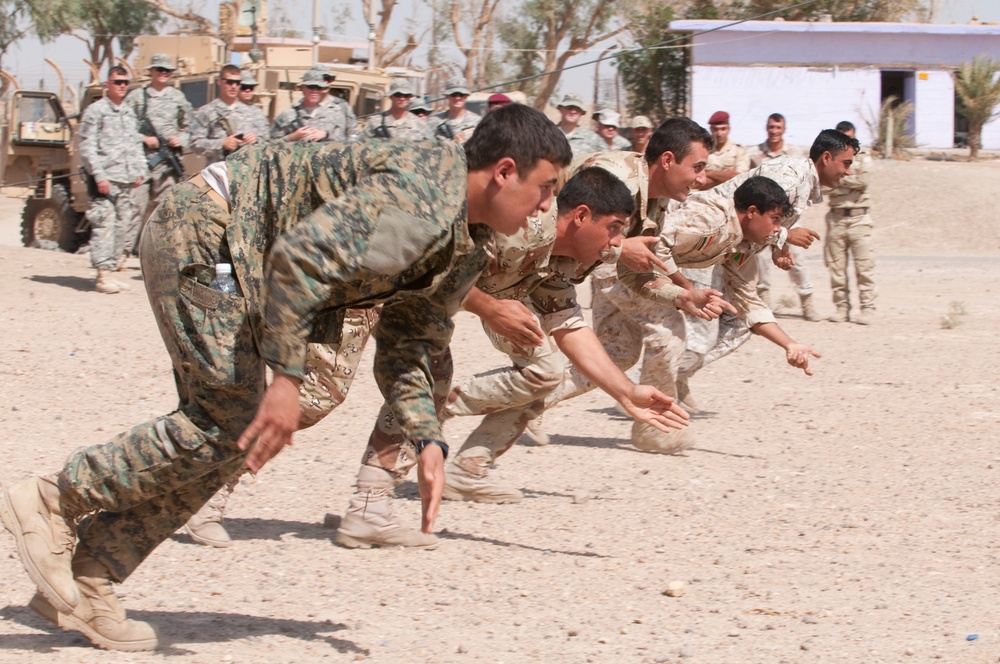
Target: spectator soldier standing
{"type": "Point", "coordinates": [309, 120]}
{"type": "Point", "coordinates": [111, 151]}
{"type": "Point", "coordinates": [582, 140]}
{"type": "Point", "coordinates": [164, 113]}
{"type": "Point", "coordinates": [226, 124]}
{"type": "Point", "coordinates": [398, 121]}
{"type": "Point", "coordinates": [456, 123]}
{"type": "Point", "coordinates": [848, 234]}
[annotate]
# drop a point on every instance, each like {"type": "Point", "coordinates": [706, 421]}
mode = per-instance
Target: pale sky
{"type": "Point", "coordinates": [25, 60]}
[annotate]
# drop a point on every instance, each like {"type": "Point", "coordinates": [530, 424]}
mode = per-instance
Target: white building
{"type": "Point", "coordinates": [817, 74]}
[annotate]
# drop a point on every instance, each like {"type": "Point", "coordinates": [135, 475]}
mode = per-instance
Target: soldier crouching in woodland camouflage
{"type": "Point", "coordinates": [307, 230]}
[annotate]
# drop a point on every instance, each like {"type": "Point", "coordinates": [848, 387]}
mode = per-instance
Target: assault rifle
{"type": "Point", "coordinates": [164, 153]}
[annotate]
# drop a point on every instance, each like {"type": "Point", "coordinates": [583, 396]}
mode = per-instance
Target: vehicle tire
{"type": "Point", "coordinates": [52, 219]}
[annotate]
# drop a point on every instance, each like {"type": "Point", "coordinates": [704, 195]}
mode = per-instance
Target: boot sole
{"type": "Point", "coordinates": [44, 609]}
{"type": "Point", "coordinates": [351, 542]}
{"type": "Point", "coordinates": [13, 526]}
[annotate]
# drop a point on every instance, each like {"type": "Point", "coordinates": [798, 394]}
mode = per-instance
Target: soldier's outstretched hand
{"type": "Point", "coordinates": [783, 258]}
{"type": "Point", "coordinates": [430, 481]}
{"type": "Point", "coordinates": [798, 356]}
{"type": "Point", "coordinates": [647, 404]}
{"type": "Point", "coordinates": [276, 421]}
{"type": "Point", "coordinates": [802, 237]}
{"type": "Point", "coordinates": [637, 254]}
{"type": "Point", "coordinates": [704, 303]}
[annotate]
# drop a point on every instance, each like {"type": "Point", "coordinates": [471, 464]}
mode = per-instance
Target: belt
{"type": "Point", "coordinates": [850, 212]}
{"type": "Point", "coordinates": [216, 198]}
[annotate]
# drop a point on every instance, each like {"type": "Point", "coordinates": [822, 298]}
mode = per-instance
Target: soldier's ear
{"type": "Point", "coordinates": [503, 170]}
{"type": "Point", "coordinates": [581, 215]}
{"type": "Point", "coordinates": [667, 159]}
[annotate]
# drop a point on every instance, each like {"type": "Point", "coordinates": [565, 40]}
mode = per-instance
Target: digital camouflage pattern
{"type": "Point", "coordinates": [618, 143]}
{"type": "Point", "coordinates": [215, 121]}
{"type": "Point", "coordinates": [582, 141]}
{"type": "Point", "coordinates": [146, 482]}
{"type": "Point", "coordinates": [458, 129]}
{"type": "Point", "coordinates": [329, 118]}
{"type": "Point", "coordinates": [111, 150]}
{"type": "Point", "coordinates": [350, 119]}
{"type": "Point", "coordinates": [409, 127]}
{"type": "Point", "coordinates": [171, 114]}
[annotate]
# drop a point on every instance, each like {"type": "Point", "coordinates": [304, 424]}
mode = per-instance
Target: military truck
{"type": "Point", "coordinates": [40, 142]}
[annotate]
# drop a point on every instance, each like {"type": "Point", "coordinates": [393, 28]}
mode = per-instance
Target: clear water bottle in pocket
{"type": "Point", "coordinates": [224, 281]}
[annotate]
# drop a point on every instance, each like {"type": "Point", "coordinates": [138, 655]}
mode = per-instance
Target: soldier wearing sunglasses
{"type": "Point", "coordinates": [111, 151]}
{"type": "Point", "coordinates": [226, 124]}
{"type": "Point", "coordinates": [168, 115]}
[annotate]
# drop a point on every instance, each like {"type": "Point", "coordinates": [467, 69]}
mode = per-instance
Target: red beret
{"type": "Point", "coordinates": [719, 117]}
{"type": "Point", "coordinates": [498, 98]}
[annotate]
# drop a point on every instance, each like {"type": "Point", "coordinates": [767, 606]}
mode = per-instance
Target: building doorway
{"type": "Point", "coordinates": [901, 85]}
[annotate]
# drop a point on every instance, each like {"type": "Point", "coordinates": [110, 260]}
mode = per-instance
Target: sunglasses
{"type": "Point", "coordinates": [161, 70]}
{"type": "Point", "coordinates": [230, 81]}
{"type": "Point", "coordinates": [458, 94]}
{"type": "Point", "coordinates": [400, 95]}
{"type": "Point", "coordinates": [314, 87]}
{"type": "Point", "coordinates": [124, 81]}
{"type": "Point", "coordinates": [244, 88]}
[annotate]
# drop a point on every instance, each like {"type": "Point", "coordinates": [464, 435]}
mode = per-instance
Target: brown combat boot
{"type": "Point", "coordinates": [649, 438]}
{"type": "Point", "coordinates": [99, 616]}
{"type": "Point", "coordinates": [684, 398]}
{"type": "Point", "coordinates": [33, 512]}
{"type": "Point", "coordinates": [866, 317]}
{"type": "Point", "coordinates": [468, 479]}
{"type": "Point", "coordinates": [205, 525]}
{"type": "Point", "coordinates": [371, 520]}
{"type": "Point", "coordinates": [809, 308]}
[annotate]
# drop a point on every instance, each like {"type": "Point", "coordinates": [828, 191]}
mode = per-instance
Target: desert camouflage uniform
{"type": "Point", "coordinates": [636, 314]}
{"type": "Point", "coordinates": [409, 127]}
{"type": "Point", "coordinates": [521, 268]}
{"type": "Point", "coordinates": [760, 154]}
{"type": "Point", "coordinates": [729, 156]}
{"type": "Point", "coordinates": [111, 149]}
{"type": "Point", "coordinates": [798, 177]}
{"type": "Point", "coordinates": [171, 114]}
{"type": "Point", "coordinates": [703, 334]}
{"type": "Point", "coordinates": [329, 118]}
{"type": "Point", "coordinates": [459, 129]}
{"type": "Point", "coordinates": [324, 226]}
{"type": "Point", "coordinates": [210, 127]}
{"type": "Point", "coordinates": [848, 232]}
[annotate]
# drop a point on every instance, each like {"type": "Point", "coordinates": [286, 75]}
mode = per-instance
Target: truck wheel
{"type": "Point", "coordinates": [53, 220]}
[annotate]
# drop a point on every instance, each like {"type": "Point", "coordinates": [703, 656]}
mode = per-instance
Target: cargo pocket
{"type": "Point", "coordinates": [219, 333]}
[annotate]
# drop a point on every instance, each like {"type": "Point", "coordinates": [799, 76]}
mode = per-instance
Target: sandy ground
{"type": "Point", "coordinates": [848, 517]}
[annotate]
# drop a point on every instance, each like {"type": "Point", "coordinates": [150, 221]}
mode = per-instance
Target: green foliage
{"type": "Point", "coordinates": [655, 79]}
{"type": "Point", "coordinates": [902, 130]}
{"type": "Point", "coordinates": [104, 22]}
{"type": "Point", "coordinates": [978, 93]}
{"type": "Point", "coordinates": [14, 23]}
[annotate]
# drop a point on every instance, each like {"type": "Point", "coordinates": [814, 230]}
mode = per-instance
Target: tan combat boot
{"type": "Point", "coordinates": [840, 316]}
{"type": "Point", "coordinates": [105, 284]}
{"type": "Point", "coordinates": [684, 398]}
{"type": "Point", "coordinates": [866, 317]}
{"type": "Point", "coordinates": [99, 616]}
{"type": "Point", "coordinates": [468, 479]}
{"type": "Point", "coordinates": [205, 525]}
{"type": "Point", "coordinates": [809, 308]}
{"type": "Point", "coordinates": [371, 520]}
{"type": "Point", "coordinates": [33, 512]}
{"type": "Point", "coordinates": [536, 432]}
{"type": "Point", "coordinates": [649, 438]}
